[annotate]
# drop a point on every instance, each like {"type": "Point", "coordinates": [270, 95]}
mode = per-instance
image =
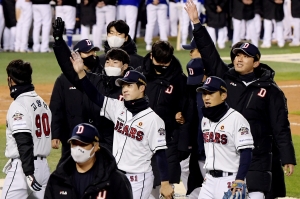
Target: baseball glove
{"type": "Point", "coordinates": [240, 193]}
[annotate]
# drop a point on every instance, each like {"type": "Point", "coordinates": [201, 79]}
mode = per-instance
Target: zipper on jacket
{"type": "Point", "coordinates": [249, 99]}
{"type": "Point", "coordinates": [158, 97]}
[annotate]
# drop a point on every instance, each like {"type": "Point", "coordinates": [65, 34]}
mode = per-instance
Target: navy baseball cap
{"type": "Point", "coordinates": [85, 46]}
{"type": "Point", "coordinates": [213, 84]}
{"type": "Point", "coordinates": [85, 133]}
{"type": "Point", "coordinates": [131, 77]}
{"type": "Point", "coordinates": [195, 71]}
{"type": "Point", "coordinates": [249, 49]}
{"type": "Point", "coordinates": [190, 46]}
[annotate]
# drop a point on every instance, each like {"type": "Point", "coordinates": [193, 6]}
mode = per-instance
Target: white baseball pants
{"type": "Point", "coordinates": [42, 17]}
{"type": "Point", "coordinates": [237, 24]}
{"type": "Point", "coordinates": [222, 36]}
{"type": "Point", "coordinates": [104, 16]}
{"type": "Point", "coordinates": [129, 14]}
{"type": "Point", "coordinates": [9, 36]}
{"type": "Point", "coordinates": [287, 20]}
{"type": "Point", "coordinates": [1, 23]}
{"type": "Point", "coordinates": [174, 15]}
{"type": "Point", "coordinates": [68, 15]}
{"type": "Point", "coordinates": [296, 35]}
{"type": "Point", "coordinates": [141, 184]}
{"type": "Point", "coordinates": [156, 13]}
{"type": "Point", "coordinates": [23, 25]}
{"type": "Point", "coordinates": [268, 33]}
{"type": "Point", "coordinates": [15, 185]}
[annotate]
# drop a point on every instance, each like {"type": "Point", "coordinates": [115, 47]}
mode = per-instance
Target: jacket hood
{"type": "Point", "coordinates": [129, 46]}
{"type": "Point", "coordinates": [174, 69]}
{"type": "Point", "coordinates": [263, 72]}
{"type": "Point", "coordinates": [105, 163]}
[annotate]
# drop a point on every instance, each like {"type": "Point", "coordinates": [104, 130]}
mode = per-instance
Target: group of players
{"type": "Point", "coordinates": [244, 17]}
{"type": "Point", "coordinates": [130, 126]}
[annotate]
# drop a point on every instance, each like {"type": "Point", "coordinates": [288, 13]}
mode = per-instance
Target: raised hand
{"type": "Point", "coordinates": [78, 65]}
{"type": "Point", "coordinates": [192, 11]}
{"type": "Point", "coordinates": [58, 28]}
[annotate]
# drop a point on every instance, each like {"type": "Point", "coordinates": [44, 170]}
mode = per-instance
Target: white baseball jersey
{"type": "Point", "coordinates": [136, 138]}
{"type": "Point", "coordinates": [29, 113]}
{"type": "Point", "coordinates": [224, 139]}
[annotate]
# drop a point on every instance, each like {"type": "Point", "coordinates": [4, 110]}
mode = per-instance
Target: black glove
{"type": "Point", "coordinates": [182, 155]}
{"type": "Point", "coordinates": [58, 28]}
{"type": "Point", "coordinates": [32, 183]}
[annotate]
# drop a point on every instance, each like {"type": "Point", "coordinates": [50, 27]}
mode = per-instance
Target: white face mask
{"type": "Point", "coordinates": [81, 155]}
{"type": "Point", "coordinates": [115, 42]}
{"type": "Point", "coordinates": [112, 71]}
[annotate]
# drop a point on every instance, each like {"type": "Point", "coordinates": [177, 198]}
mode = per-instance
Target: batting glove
{"type": "Point", "coordinates": [32, 183]}
{"type": "Point", "coordinates": [58, 28]}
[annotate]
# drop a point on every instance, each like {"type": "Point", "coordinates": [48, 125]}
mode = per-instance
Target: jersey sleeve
{"type": "Point", "coordinates": [157, 135]}
{"type": "Point", "coordinates": [19, 119]}
{"type": "Point", "coordinates": [243, 136]}
{"type": "Point", "coordinates": [111, 107]}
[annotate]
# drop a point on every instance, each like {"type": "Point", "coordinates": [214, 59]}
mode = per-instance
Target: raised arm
{"type": "Point", "coordinates": [90, 90]}
{"type": "Point", "coordinates": [211, 59]}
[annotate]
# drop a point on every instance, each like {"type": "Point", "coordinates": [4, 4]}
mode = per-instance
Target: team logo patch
{"type": "Point", "coordinates": [162, 131]}
{"type": "Point", "coordinates": [18, 116]}
{"type": "Point", "coordinates": [244, 130]}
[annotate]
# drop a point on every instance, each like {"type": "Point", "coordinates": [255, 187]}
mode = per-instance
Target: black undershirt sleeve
{"type": "Point", "coordinates": [25, 147]}
{"type": "Point", "coordinates": [245, 161]}
{"type": "Point", "coordinates": [92, 92]}
{"type": "Point", "coordinates": [162, 164]}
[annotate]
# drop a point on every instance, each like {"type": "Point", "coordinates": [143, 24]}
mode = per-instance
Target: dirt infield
{"type": "Point", "coordinates": [290, 88]}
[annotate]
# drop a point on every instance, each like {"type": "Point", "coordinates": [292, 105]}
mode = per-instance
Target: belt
{"type": "Point", "coordinates": [39, 157]}
{"type": "Point", "coordinates": [219, 173]}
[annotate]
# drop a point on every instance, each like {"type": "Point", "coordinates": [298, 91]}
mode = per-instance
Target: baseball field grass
{"type": "Point", "coordinates": [46, 70]}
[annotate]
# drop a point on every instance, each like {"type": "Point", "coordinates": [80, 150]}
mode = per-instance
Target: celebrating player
{"type": "Point", "coordinates": [253, 92]}
{"type": "Point", "coordinates": [227, 140]}
{"type": "Point", "coordinates": [138, 134]}
{"type": "Point", "coordinates": [90, 172]}
{"type": "Point", "coordinates": [28, 136]}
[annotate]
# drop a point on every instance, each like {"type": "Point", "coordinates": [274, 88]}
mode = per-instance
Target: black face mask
{"type": "Point", "coordinates": [90, 61]}
{"type": "Point", "coordinates": [17, 90]}
{"type": "Point", "coordinates": [160, 68]}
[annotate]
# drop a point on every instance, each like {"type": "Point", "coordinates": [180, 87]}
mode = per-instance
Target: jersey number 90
{"type": "Point", "coordinates": [42, 125]}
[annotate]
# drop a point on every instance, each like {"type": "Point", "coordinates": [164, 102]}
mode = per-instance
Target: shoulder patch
{"type": "Point", "coordinates": [17, 116]}
{"type": "Point", "coordinates": [244, 131]}
{"type": "Point", "coordinates": [162, 131]}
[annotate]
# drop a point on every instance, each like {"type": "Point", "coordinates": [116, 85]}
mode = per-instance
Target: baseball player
{"type": "Point", "coordinates": [227, 140]}
{"type": "Point", "coordinates": [9, 12]}
{"type": "Point", "coordinates": [28, 136]}
{"type": "Point", "coordinates": [42, 17]}
{"type": "Point", "coordinates": [66, 9]}
{"type": "Point", "coordinates": [139, 132]}
{"type": "Point", "coordinates": [24, 20]}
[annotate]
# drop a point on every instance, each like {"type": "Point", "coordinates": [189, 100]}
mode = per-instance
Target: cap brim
{"type": "Point", "coordinates": [120, 81]}
{"type": "Point", "coordinates": [187, 47]}
{"type": "Point", "coordinates": [80, 139]}
{"type": "Point", "coordinates": [195, 80]}
{"type": "Point", "coordinates": [236, 50]}
{"type": "Point", "coordinates": [206, 88]}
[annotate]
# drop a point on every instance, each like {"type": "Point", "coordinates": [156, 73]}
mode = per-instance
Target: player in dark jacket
{"type": "Point", "coordinates": [257, 97]}
{"type": "Point", "coordinates": [272, 10]}
{"type": "Point", "coordinates": [118, 37]}
{"type": "Point", "coordinates": [167, 94]}
{"type": "Point", "coordinates": [86, 174]}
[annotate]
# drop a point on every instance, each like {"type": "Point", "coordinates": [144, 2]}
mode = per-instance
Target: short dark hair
{"type": "Point", "coordinates": [19, 71]}
{"type": "Point", "coordinates": [140, 84]}
{"type": "Point", "coordinates": [120, 25]}
{"type": "Point", "coordinates": [118, 54]}
{"type": "Point", "coordinates": [162, 51]}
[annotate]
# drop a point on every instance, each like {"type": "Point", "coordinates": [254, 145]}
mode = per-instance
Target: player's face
{"type": "Point", "coordinates": [132, 91]}
{"type": "Point", "coordinates": [195, 54]}
{"type": "Point", "coordinates": [213, 99]}
{"type": "Point", "coordinates": [244, 64]}
{"type": "Point", "coordinates": [117, 64]}
{"type": "Point", "coordinates": [114, 32]}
